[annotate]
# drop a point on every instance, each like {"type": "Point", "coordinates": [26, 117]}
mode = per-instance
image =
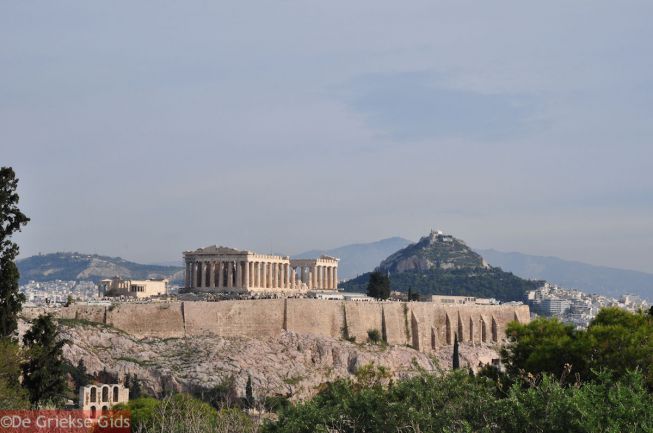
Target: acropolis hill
{"type": "Point", "coordinates": [425, 326]}
{"type": "Point", "coordinates": [289, 285]}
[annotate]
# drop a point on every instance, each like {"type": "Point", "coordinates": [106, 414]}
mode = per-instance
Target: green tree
{"type": "Point", "coordinates": [378, 286]}
{"type": "Point", "coordinates": [249, 392]}
{"type": "Point", "coordinates": [12, 395]}
{"type": "Point", "coordinates": [373, 336]}
{"type": "Point", "coordinates": [182, 413]}
{"type": "Point", "coordinates": [616, 339]}
{"type": "Point", "coordinates": [458, 402]}
{"type": "Point", "coordinates": [44, 372]}
{"type": "Point", "coordinates": [455, 362]}
{"type": "Point", "coordinates": [621, 341]}
{"type": "Point", "coordinates": [11, 221]}
{"type": "Point", "coordinates": [545, 345]}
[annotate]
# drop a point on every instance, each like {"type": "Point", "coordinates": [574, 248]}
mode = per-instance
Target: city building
{"type": "Point", "coordinates": [116, 286]}
{"type": "Point", "coordinates": [222, 269]}
{"type": "Point", "coordinates": [460, 300]}
{"type": "Point", "coordinates": [576, 307]}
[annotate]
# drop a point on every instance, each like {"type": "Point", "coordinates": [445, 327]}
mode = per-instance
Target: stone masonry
{"type": "Point", "coordinates": [423, 325]}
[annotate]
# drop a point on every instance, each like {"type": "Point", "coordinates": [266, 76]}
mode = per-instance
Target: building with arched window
{"type": "Point", "coordinates": [100, 398]}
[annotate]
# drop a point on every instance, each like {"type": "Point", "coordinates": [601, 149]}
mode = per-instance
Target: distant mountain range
{"type": "Point", "coordinates": [76, 266]}
{"type": "Point", "coordinates": [356, 259]}
{"type": "Point", "coordinates": [574, 275]}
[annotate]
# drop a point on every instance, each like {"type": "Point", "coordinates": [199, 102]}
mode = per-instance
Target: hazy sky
{"type": "Point", "coordinates": [144, 128]}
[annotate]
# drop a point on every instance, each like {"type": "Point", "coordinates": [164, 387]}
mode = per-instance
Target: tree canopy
{"type": "Point", "coordinates": [378, 286]}
{"type": "Point", "coordinates": [11, 221]}
{"type": "Point", "coordinates": [616, 339]}
{"type": "Point", "coordinates": [44, 372]}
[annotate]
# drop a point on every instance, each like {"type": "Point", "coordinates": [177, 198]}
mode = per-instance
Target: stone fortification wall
{"type": "Point", "coordinates": [254, 318]}
{"type": "Point", "coordinates": [423, 325]}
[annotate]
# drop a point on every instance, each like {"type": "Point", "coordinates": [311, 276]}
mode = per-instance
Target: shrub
{"type": "Point", "coordinates": [374, 336]}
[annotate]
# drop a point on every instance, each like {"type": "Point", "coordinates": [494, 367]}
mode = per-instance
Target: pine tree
{"type": "Point", "coordinates": [11, 221]}
{"type": "Point", "coordinates": [379, 285]}
{"type": "Point", "coordinates": [44, 372]}
{"type": "Point", "coordinates": [455, 364]}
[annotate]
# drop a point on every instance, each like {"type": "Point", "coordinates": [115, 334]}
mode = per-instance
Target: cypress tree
{"type": "Point", "coordinates": [456, 356]}
{"type": "Point", "coordinates": [44, 372]}
{"type": "Point", "coordinates": [11, 221]}
{"type": "Point", "coordinates": [249, 392]}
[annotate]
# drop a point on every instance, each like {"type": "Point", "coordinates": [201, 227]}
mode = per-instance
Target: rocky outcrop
{"type": "Point", "coordinates": [434, 251]}
{"type": "Point", "coordinates": [291, 365]}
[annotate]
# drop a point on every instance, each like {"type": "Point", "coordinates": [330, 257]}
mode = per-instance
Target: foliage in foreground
{"type": "Point", "coordinates": [458, 402]}
{"type": "Point", "coordinates": [182, 413]}
{"type": "Point", "coordinates": [616, 340]}
{"type": "Point", "coordinates": [44, 372]}
{"type": "Point", "coordinates": [12, 395]}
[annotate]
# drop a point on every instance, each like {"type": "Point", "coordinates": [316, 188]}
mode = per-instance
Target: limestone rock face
{"type": "Point", "coordinates": [291, 365]}
{"type": "Point", "coordinates": [434, 251]}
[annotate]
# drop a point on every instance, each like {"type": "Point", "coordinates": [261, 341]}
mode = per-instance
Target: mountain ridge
{"type": "Point", "coordinates": [573, 274]}
{"type": "Point", "coordinates": [93, 267]}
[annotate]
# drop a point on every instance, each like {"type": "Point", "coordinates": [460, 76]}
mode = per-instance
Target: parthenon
{"type": "Point", "coordinates": [222, 269]}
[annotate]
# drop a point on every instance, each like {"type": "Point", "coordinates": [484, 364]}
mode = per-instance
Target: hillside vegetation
{"type": "Point", "coordinates": [442, 265]}
{"type": "Point", "coordinates": [482, 283]}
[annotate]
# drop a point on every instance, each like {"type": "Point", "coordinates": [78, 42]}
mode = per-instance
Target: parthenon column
{"type": "Point", "coordinates": [275, 275]}
{"type": "Point", "coordinates": [202, 274]}
{"type": "Point", "coordinates": [335, 277]}
{"type": "Point", "coordinates": [293, 276]}
{"type": "Point", "coordinates": [230, 274]}
{"type": "Point", "coordinates": [257, 274]}
{"type": "Point", "coordinates": [320, 277]}
{"type": "Point", "coordinates": [327, 278]}
{"type": "Point", "coordinates": [239, 274]}
{"type": "Point", "coordinates": [246, 275]}
{"type": "Point", "coordinates": [212, 274]}
{"type": "Point", "coordinates": [220, 275]}
{"type": "Point", "coordinates": [187, 279]}
{"type": "Point", "coordinates": [323, 274]}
